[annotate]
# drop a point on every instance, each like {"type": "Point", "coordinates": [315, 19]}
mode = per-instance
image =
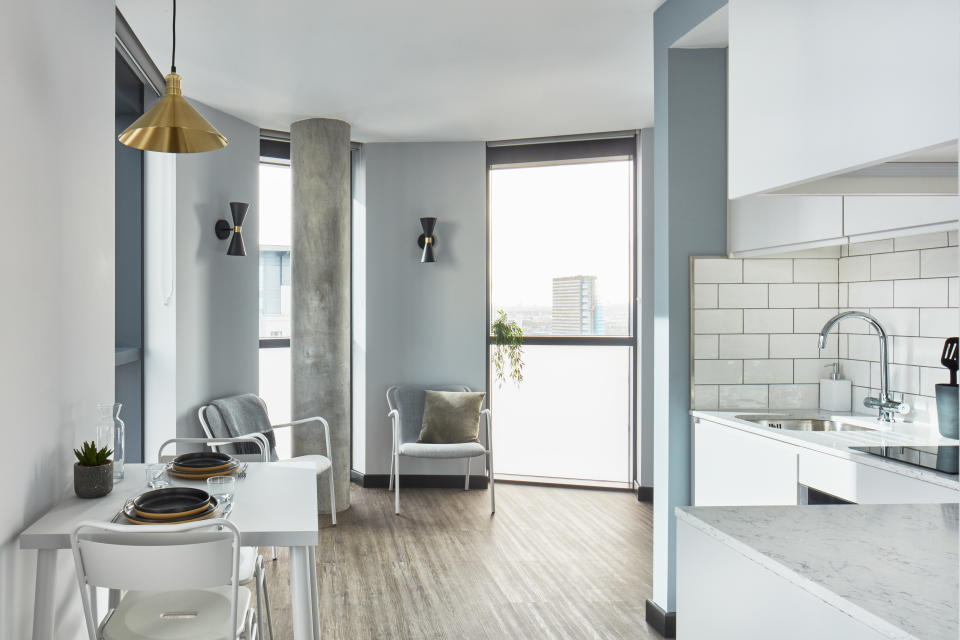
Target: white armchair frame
{"type": "Point", "coordinates": [394, 484]}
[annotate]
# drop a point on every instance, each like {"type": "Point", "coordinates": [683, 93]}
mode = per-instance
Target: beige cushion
{"type": "Point", "coordinates": [451, 417]}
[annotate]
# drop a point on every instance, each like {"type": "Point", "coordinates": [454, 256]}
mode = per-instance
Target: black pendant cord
{"type": "Point", "coordinates": [173, 53]}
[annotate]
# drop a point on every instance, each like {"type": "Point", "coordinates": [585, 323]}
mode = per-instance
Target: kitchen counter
{"type": "Point", "coordinates": [837, 443]}
{"type": "Point", "coordinates": [892, 568]}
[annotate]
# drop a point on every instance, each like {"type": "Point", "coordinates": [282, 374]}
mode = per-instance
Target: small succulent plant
{"type": "Point", "coordinates": [90, 456]}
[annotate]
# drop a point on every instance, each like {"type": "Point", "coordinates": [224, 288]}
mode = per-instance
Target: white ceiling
{"type": "Point", "coordinates": [414, 69]}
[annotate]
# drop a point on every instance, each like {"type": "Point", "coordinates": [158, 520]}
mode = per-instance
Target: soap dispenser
{"type": "Point", "coordinates": [834, 392]}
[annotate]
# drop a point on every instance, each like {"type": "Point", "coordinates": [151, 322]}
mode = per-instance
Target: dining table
{"type": "Point", "coordinates": [274, 505]}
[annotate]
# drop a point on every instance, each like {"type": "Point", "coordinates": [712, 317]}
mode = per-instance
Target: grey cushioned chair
{"type": "Point", "coordinates": [247, 414]}
{"type": "Point", "coordinates": [406, 415]}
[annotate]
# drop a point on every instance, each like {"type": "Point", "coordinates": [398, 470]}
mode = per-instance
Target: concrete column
{"type": "Point", "coordinates": [320, 344]}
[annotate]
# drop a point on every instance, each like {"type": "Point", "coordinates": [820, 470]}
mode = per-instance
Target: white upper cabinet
{"type": "Point", "coordinates": [820, 87]}
{"type": "Point", "coordinates": [759, 223]}
{"type": "Point", "coordinates": [887, 214]}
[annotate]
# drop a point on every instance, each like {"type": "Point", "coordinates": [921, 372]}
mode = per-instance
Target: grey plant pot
{"type": "Point", "coordinates": [92, 482]}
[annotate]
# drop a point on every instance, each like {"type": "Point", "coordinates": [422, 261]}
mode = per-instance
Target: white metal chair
{"type": "Point", "coordinates": [251, 562]}
{"type": "Point", "coordinates": [249, 414]}
{"type": "Point", "coordinates": [406, 404]}
{"type": "Point", "coordinates": [181, 581]}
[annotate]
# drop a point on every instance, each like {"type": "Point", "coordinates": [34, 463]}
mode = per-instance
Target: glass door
{"type": "Point", "coordinates": [562, 265]}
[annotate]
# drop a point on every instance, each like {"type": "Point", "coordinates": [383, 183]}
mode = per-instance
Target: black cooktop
{"type": "Point", "coordinates": [945, 459]}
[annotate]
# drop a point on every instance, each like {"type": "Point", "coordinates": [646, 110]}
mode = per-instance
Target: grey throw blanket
{"type": "Point", "coordinates": [239, 416]}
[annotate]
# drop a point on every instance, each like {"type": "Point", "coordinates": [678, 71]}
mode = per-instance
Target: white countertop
{"type": "Point", "coordinates": [838, 443]}
{"type": "Point", "coordinates": [892, 567]}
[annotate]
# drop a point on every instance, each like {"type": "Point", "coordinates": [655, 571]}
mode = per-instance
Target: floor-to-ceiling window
{"type": "Point", "coordinates": [562, 265]}
{"type": "Point", "coordinates": [275, 292]}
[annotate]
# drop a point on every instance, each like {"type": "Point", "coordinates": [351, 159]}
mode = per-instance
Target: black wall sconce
{"type": "Point", "coordinates": [238, 211]}
{"type": "Point", "coordinates": [427, 241]}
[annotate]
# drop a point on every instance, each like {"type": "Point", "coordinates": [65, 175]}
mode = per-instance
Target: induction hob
{"type": "Point", "coordinates": [945, 458]}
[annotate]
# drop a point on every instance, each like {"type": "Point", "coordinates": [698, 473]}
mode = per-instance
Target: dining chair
{"type": "Point", "coordinates": [246, 414]}
{"type": "Point", "coordinates": [406, 403]}
{"type": "Point", "coordinates": [251, 562]}
{"type": "Point", "coordinates": [181, 581]}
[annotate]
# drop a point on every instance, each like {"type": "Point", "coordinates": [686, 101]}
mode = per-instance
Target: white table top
{"type": "Point", "coordinates": [275, 505]}
{"type": "Point", "coordinates": [893, 567]}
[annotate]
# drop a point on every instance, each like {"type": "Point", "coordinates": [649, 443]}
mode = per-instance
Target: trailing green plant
{"type": "Point", "coordinates": [90, 456]}
{"type": "Point", "coordinates": [508, 349]}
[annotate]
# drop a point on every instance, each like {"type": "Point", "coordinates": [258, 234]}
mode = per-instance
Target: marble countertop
{"type": "Point", "coordinates": [838, 443]}
{"type": "Point", "coordinates": [893, 567]}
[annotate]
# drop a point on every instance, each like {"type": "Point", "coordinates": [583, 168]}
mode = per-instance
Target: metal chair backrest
{"type": "Point", "coordinates": [258, 440]}
{"type": "Point", "coordinates": [195, 555]}
{"type": "Point", "coordinates": [408, 400]}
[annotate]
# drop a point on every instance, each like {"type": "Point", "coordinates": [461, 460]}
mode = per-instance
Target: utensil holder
{"type": "Point", "coordinates": [947, 406]}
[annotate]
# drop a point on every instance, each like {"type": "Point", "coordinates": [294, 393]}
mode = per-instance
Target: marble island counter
{"type": "Point", "coordinates": [846, 571]}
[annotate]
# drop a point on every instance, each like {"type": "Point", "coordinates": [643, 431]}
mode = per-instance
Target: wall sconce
{"type": "Point", "coordinates": [427, 241]}
{"type": "Point", "coordinates": [238, 210]}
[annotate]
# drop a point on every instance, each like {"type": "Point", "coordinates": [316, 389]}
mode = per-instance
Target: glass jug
{"type": "Point", "coordinates": [110, 434]}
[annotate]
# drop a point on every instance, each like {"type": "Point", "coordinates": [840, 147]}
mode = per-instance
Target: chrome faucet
{"type": "Point", "coordinates": [886, 406]}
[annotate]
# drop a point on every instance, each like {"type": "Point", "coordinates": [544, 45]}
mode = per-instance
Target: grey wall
{"type": "Point", "coordinates": [645, 324]}
{"type": "Point", "coordinates": [425, 323]}
{"type": "Point", "coordinates": [203, 343]}
{"type": "Point", "coordinates": [56, 274]}
{"type": "Point", "coordinates": [689, 219]}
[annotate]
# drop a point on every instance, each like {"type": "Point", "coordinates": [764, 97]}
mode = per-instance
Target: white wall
{"type": "Point", "coordinates": [425, 323]}
{"type": "Point", "coordinates": [818, 86]}
{"type": "Point", "coordinates": [56, 273]}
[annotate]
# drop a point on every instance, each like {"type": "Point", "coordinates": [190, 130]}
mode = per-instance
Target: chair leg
{"type": "Point", "coordinates": [396, 483]}
{"type": "Point", "coordinates": [261, 607]}
{"type": "Point", "coordinates": [493, 506]}
{"type": "Point", "coordinates": [333, 499]}
{"type": "Point", "coordinates": [266, 603]}
{"type": "Point", "coordinates": [466, 481]}
{"type": "Point", "coordinates": [392, 463]}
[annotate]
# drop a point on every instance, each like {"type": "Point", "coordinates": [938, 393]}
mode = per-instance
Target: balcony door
{"type": "Point", "coordinates": [562, 265]}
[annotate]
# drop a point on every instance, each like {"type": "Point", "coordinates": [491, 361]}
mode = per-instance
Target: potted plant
{"type": "Point", "coordinates": [508, 348]}
{"type": "Point", "coordinates": [93, 471]}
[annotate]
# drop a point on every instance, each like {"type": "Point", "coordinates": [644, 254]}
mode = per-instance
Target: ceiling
{"type": "Point", "coordinates": [414, 69]}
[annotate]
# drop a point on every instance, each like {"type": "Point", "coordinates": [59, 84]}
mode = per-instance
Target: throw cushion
{"type": "Point", "coordinates": [451, 416]}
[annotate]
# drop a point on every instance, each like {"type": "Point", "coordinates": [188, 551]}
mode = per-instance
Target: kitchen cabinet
{"type": "Point", "coordinates": [733, 467]}
{"type": "Point", "coordinates": [889, 215]}
{"type": "Point", "coordinates": [768, 222]}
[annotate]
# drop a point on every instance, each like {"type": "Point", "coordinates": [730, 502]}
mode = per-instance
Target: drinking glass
{"type": "Point", "coordinates": [157, 476]}
{"type": "Point", "coordinates": [221, 488]}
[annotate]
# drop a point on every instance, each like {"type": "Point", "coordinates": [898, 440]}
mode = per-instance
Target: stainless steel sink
{"type": "Point", "coordinates": [793, 423]}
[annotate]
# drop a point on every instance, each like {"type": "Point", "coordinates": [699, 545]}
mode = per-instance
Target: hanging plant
{"type": "Point", "coordinates": [508, 349]}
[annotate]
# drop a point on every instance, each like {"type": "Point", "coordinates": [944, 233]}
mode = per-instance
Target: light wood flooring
{"type": "Point", "coordinates": [552, 563]}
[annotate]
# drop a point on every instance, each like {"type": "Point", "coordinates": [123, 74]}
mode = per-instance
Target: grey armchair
{"type": "Point", "coordinates": [406, 416]}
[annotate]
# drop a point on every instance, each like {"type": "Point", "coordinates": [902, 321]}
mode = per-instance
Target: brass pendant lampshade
{"type": "Point", "coordinates": [172, 125]}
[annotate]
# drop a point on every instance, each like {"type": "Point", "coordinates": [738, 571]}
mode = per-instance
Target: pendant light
{"type": "Point", "coordinates": [172, 125]}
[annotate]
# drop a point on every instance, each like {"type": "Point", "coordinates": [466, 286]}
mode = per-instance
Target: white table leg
{"type": "Point", "coordinates": [300, 593]}
{"type": "Point", "coordinates": [314, 594]}
{"type": "Point", "coordinates": [43, 605]}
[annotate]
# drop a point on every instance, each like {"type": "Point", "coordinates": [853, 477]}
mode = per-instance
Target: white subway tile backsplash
{"type": "Point", "coordinates": [743, 396]}
{"type": "Point", "coordinates": [811, 370]}
{"type": "Point", "coordinates": [717, 270]}
{"type": "Point", "coordinates": [854, 269]}
{"type": "Point", "coordinates": [842, 345]}
{"type": "Point", "coordinates": [929, 377]}
{"type": "Point", "coordinates": [874, 246]}
{"type": "Point", "coordinates": [767, 371]}
{"type": "Point", "coordinates": [952, 238]}
{"type": "Point", "coordinates": [893, 266]}
{"type": "Point", "coordinates": [854, 325]}
{"type": "Point", "coordinates": [898, 322]}
{"type": "Point", "coordinates": [939, 323]}
{"type": "Point", "coordinates": [859, 395]}
{"type": "Point", "coordinates": [742, 296]}
{"type": "Point", "coordinates": [794, 296]}
{"type": "Point", "coordinates": [938, 263]}
{"type": "Point", "coordinates": [931, 292]}
{"type": "Point", "coordinates": [800, 345]}
{"type": "Point", "coordinates": [705, 296]}
{"type": "Point", "coordinates": [871, 294]}
{"type": "Point", "coordinates": [766, 271]}
{"type": "Point", "coordinates": [830, 295]}
{"type": "Point", "coordinates": [924, 352]}
{"type": "Point", "coordinates": [718, 321]}
{"type": "Point", "coordinates": [705, 347]}
{"type": "Point", "coordinates": [744, 346]}
{"type": "Point", "coordinates": [856, 371]}
{"type": "Point", "coordinates": [903, 378]}
{"type": "Point", "coordinates": [811, 320]}
{"type": "Point", "coordinates": [768, 320]}
{"type": "Point", "coordinates": [819, 270]}
{"type": "Point", "coordinates": [922, 409]}
{"type": "Point", "coordinates": [864, 347]}
{"type": "Point", "coordinates": [843, 294]}
{"type": "Point", "coordinates": [795, 396]}
{"type": "Point", "coordinates": [922, 241]}
{"type": "Point", "coordinates": [952, 291]}
{"type": "Point", "coordinates": [706, 397]}
{"type": "Point", "coordinates": [717, 371]}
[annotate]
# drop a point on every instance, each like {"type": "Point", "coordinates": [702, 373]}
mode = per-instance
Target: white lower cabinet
{"type": "Point", "coordinates": [733, 467]}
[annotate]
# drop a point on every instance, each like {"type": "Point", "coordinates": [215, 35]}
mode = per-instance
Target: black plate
{"type": "Point", "coordinates": [171, 500]}
{"type": "Point", "coordinates": [209, 512]}
{"type": "Point", "coordinates": [232, 466]}
{"type": "Point", "coordinates": [202, 459]}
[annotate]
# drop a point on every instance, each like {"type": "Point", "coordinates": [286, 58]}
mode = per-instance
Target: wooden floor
{"type": "Point", "coordinates": [552, 563]}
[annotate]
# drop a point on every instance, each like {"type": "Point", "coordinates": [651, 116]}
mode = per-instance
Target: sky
{"type": "Point", "coordinates": [275, 204]}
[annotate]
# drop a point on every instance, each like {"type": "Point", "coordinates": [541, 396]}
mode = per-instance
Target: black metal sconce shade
{"type": "Point", "coordinates": [427, 241]}
{"type": "Point", "coordinates": [238, 211]}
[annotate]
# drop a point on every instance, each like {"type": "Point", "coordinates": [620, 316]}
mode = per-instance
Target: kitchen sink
{"type": "Point", "coordinates": [793, 423]}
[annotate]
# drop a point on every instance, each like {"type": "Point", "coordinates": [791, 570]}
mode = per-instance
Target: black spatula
{"type": "Point", "coordinates": [949, 358]}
